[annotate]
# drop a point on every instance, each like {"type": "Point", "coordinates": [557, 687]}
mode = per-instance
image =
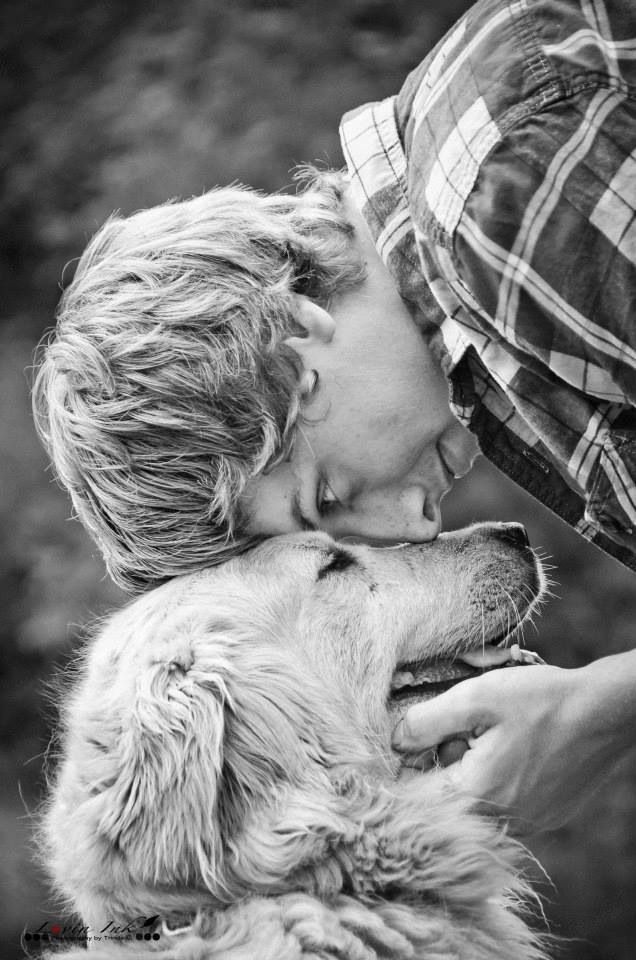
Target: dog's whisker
{"type": "Point", "coordinates": [511, 607]}
{"type": "Point", "coordinates": [529, 603]}
{"type": "Point", "coordinates": [548, 592]}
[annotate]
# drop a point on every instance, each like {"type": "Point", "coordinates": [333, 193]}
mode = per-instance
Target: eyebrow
{"type": "Point", "coordinates": [298, 516]}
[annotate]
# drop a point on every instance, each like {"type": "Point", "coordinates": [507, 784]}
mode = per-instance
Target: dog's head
{"type": "Point", "coordinates": [230, 733]}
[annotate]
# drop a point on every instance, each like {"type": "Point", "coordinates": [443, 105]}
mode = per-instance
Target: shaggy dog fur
{"type": "Point", "coordinates": [226, 757]}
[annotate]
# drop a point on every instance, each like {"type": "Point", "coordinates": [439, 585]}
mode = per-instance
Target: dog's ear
{"type": "Point", "coordinates": [185, 726]}
{"type": "Point", "coordinates": [160, 809]}
{"type": "Point", "coordinates": [131, 823]}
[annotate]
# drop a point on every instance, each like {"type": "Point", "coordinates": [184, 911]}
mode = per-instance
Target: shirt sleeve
{"type": "Point", "coordinates": [544, 251]}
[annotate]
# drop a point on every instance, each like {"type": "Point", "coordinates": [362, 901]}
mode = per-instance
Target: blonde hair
{"type": "Point", "coordinates": [166, 386]}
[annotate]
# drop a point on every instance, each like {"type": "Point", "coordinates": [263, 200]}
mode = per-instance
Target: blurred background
{"type": "Point", "coordinates": [123, 104]}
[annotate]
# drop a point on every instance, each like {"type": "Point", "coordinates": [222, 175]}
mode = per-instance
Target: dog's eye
{"type": "Point", "coordinates": [338, 560]}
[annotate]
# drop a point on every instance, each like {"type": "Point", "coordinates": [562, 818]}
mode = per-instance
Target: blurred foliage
{"type": "Point", "coordinates": [123, 104]}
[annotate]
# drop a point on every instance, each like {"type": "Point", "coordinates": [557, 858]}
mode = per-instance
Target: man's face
{"type": "Point", "coordinates": [377, 446]}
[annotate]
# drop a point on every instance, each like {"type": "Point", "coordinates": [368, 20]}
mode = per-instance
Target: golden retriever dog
{"type": "Point", "coordinates": [226, 764]}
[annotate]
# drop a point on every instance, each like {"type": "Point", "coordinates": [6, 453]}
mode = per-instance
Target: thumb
{"type": "Point", "coordinates": [429, 723]}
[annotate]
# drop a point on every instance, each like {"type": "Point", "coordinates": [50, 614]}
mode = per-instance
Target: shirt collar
{"type": "Point", "coordinates": [377, 167]}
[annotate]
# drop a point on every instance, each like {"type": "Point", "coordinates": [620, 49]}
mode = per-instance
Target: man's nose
{"type": "Point", "coordinates": [390, 516]}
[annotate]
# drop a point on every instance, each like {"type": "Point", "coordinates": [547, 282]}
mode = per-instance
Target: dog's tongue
{"type": "Point", "coordinates": [420, 681]}
{"type": "Point", "coordinates": [418, 674]}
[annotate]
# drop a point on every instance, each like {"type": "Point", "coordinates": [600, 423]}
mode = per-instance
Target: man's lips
{"type": "Point", "coordinates": [455, 463]}
{"type": "Point", "coordinates": [437, 488]}
{"type": "Point", "coordinates": [451, 470]}
{"type": "Point", "coordinates": [448, 473]}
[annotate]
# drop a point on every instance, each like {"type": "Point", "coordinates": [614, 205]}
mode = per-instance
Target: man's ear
{"type": "Point", "coordinates": [319, 325]}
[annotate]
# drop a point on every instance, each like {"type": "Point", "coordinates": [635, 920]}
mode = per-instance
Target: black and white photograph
{"type": "Point", "coordinates": [318, 480]}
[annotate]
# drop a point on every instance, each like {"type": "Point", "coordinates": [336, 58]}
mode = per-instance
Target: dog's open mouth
{"type": "Point", "coordinates": [422, 680]}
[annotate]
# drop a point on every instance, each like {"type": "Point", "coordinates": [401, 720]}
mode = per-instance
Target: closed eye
{"type": "Point", "coordinates": [338, 561]}
{"type": "Point", "coordinates": [326, 499]}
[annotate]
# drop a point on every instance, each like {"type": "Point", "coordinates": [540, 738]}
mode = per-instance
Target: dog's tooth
{"type": "Point", "coordinates": [487, 657]}
{"type": "Point", "coordinates": [498, 656]}
{"type": "Point", "coordinates": [401, 678]}
{"type": "Point", "coordinates": [524, 656]}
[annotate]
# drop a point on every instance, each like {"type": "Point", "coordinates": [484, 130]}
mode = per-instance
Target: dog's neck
{"type": "Point", "coordinates": [399, 871]}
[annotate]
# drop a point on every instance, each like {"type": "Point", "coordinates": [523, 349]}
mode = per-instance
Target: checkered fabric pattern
{"type": "Point", "coordinates": [500, 187]}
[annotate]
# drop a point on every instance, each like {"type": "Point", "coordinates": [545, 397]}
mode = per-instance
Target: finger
{"type": "Point", "coordinates": [429, 723]}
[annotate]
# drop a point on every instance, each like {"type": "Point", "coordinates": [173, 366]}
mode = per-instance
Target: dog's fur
{"type": "Point", "coordinates": [226, 756]}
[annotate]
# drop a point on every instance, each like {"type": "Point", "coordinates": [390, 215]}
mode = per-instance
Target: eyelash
{"type": "Point", "coordinates": [324, 506]}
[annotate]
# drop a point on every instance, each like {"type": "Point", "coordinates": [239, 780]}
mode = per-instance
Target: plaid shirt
{"type": "Point", "coordinates": [500, 187]}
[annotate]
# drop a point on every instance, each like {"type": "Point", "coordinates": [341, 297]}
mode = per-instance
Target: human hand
{"type": "Point", "coordinates": [530, 742]}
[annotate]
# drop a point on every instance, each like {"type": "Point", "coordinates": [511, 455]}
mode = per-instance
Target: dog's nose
{"type": "Point", "coordinates": [514, 533]}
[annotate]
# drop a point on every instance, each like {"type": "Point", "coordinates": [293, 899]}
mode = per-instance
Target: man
{"type": "Point", "coordinates": [240, 366]}
{"type": "Point", "coordinates": [505, 169]}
